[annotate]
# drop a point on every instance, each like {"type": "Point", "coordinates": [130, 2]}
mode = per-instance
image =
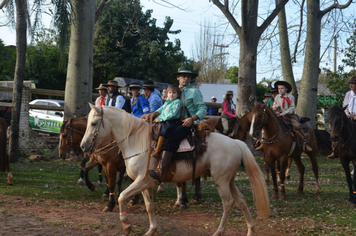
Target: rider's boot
{"type": "Point", "coordinates": [332, 155]}
{"type": "Point", "coordinates": [158, 148]}
{"type": "Point", "coordinates": [301, 134]}
{"type": "Point", "coordinates": [159, 173]}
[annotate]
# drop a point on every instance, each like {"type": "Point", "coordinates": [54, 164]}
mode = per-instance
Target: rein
{"type": "Point", "coordinates": [268, 141]}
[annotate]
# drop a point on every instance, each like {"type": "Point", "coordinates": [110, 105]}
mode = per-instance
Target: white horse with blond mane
{"type": "Point", "coordinates": [222, 158]}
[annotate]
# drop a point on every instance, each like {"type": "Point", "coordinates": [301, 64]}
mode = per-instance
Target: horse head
{"type": "Point", "coordinates": [257, 119]}
{"type": "Point", "coordinates": [70, 136]}
{"type": "Point", "coordinates": [336, 119]}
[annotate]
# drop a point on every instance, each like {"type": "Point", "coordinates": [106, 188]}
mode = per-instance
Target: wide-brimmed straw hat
{"type": "Point", "coordinates": [148, 84]}
{"type": "Point", "coordinates": [112, 83]}
{"type": "Point", "coordinates": [184, 70]}
{"type": "Point", "coordinates": [101, 87]}
{"type": "Point", "coordinates": [229, 92]}
{"type": "Point", "coordinates": [352, 80]}
{"type": "Point", "coordinates": [135, 85]}
{"type": "Point", "coordinates": [286, 84]}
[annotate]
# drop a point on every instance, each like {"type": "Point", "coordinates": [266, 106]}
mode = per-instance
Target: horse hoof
{"type": "Point", "coordinates": [194, 202]}
{"type": "Point", "coordinates": [282, 198]}
{"type": "Point", "coordinates": [182, 207]}
{"type": "Point", "coordinates": [80, 183]}
{"type": "Point", "coordinates": [107, 209]}
{"type": "Point", "coordinates": [92, 188]}
{"type": "Point", "coordinates": [160, 190]}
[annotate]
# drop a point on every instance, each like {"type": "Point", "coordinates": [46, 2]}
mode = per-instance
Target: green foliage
{"type": "Point", "coordinates": [350, 52]}
{"type": "Point", "coordinates": [43, 64]}
{"type": "Point", "coordinates": [233, 74]}
{"type": "Point", "coordinates": [129, 44]}
{"type": "Point", "coordinates": [337, 85]}
{"type": "Point", "coordinates": [261, 90]}
{"type": "Point", "coordinates": [7, 62]}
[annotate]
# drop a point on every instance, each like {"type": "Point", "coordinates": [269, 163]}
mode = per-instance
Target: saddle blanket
{"type": "Point", "coordinates": [185, 146]}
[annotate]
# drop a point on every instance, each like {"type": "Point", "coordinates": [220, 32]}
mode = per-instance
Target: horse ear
{"type": "Point", "coordinates": [96, 109]}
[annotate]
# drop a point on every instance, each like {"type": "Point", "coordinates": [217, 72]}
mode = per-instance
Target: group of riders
{"type": "Point", "coordinates": [184, 106]}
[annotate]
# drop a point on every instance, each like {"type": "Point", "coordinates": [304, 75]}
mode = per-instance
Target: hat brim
{"type": "Point", "coordinates": [174, 75]}
{"type": "Point", "coordinates": [286, 84]}
{"type": "Point", "coordinates": [112, 85]}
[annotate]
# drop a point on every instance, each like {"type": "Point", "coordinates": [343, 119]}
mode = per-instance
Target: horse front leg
{"type": "Point", "coordinates": [345, 165]}
{"type": "Point", "coordinates": [111, 172]}
{"type": "Point", "coordinates": [139, 185]}
{"type": "Point", "coordinates": [315, 167]}
{"type": "Point", "coordinates": [353, 201]}
{"type": "Point", "coordinates": [283, 163]}
{"type": "Point", "coordinates": [272, 167]}
{"type": "Point", "coordinates": [91, 165]}
{"type": "Point", "coordinates": [182, 199]}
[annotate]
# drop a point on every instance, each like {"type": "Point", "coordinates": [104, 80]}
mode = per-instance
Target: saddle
{"type": "Point", "coordinates": [190, 149]}
{"type": "Point", "coordinates": [299, 135]}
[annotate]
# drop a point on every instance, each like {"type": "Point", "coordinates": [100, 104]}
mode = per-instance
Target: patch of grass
{"type": "Point", "coordinates": [325, 214]}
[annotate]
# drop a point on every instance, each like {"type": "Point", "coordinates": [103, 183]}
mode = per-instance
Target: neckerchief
{"type": "Point", "coordinates": [285, 99]}
{"type": "Point", "coordinates": [134, 101]}
{"type": "Point", "coordinates": [102, 101]}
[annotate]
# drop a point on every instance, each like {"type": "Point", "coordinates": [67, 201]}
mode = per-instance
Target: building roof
{"type": "Point", "coordinates": [322, 88]}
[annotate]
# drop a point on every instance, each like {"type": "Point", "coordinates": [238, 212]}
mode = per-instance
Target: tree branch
{"type": "Point", "coordinates": [271, 17]}
{"type": "Point", "coordinates": [294, 58]}
{"type": "Point", "coordinates": [335, 6]}
{"type": "Point", "coordinates": [224, 8]}
{"type": "Point", "coordinates": [4, 3]}
{"type": "Point", "coordinates": [101, 8]}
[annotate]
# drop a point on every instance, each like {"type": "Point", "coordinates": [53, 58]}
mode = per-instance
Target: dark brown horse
{"type": "Point", "coordinates": [279, 144]}
{"type": "Point", "coordinates": [343, 133]}
{"type": "Point", "coordinates": [4, 158]}
{"type": "Point", "coordinates": [71, 134]}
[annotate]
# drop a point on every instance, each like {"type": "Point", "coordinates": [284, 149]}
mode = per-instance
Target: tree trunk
{"type": "Point", "coordinates": [21, 44]}
{"type": "Point", "coordinates": [307, 102]}
{"type": "Point", "coordinates": [287, 70]}
{"type": "Point", "coordinates": [246, 90]}
{"type": "Point", "coordinates": [80, 61]}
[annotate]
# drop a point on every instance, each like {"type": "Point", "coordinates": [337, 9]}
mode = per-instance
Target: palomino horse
{"type": "Point", "coordinates": [279, 145]}
{"type": "Point", "coordinates": [343, 133]}
{"type": "Point", "coordinates": [222, 158]}
{"type": "Point", "coordinates": [71, 134]}
{"type": "Point", "coordinates": [4, 158]}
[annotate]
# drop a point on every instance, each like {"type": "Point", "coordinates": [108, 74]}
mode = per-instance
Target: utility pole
{"type": "Point", "coordinates": [221, 54]}
{"type": "Point", "coordinates": [335, 50]}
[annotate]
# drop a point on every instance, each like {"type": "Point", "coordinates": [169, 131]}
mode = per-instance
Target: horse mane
{"type": "Point", "coordinates": [142, 141]}
{"type": "Point", "coordinates": [72, 120]}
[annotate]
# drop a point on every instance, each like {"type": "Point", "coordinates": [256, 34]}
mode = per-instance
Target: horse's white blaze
{"type": "Point", "coordinates": [252, 125]}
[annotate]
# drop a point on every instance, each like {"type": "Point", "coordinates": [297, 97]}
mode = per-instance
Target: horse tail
{"type": "Point", "coordinates": [258, 184]}
{"type": "Point", "coordinates": [324, 141]}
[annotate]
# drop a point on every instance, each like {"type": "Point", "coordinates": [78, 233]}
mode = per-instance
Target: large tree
{"type": "Point", "coordinates": [129, 44]}
{"type": "Point", "coordinates": [307, 102]}
{"type": "Point", "coordinates": [249, 34]}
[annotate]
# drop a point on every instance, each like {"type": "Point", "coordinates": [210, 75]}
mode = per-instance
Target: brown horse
{"type": "Point", "coordinates": [71, 135]}
{"type": "Point", "coordinates": [343, 133]}
{"type": "Point", "coordinates": [4, 158]}
{"type": "Point", "coordinates": [279, 144]}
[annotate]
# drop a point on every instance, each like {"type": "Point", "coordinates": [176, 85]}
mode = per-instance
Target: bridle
{"type": "Point", "coordinates": [336, 137]}
{"type": "Point", "coordinates": [114, 143]}
{"type": "Point", "coordinates": [268, 141]}
{"type": "Point", "coordinates": [71, 137]}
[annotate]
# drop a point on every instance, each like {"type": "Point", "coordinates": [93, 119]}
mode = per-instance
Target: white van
{"type": "Point", "coordinates": [46, 120]}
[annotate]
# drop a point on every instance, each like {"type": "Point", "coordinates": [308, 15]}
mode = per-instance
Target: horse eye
{"type": "Point", "coordinates": [93, 124]}
{"type": "Point", "coordinates": [64, 135]}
